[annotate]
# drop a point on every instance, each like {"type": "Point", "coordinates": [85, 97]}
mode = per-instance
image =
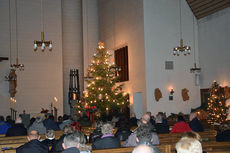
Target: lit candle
{"type": "Point", "coordinates": [74, 96]}
{"type": "Point", "coordinates": [55, 102]}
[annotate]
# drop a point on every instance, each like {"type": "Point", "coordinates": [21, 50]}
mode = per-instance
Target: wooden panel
{"type": "Point", "coordinates": [203, 8]}
{"type": "Point", "coordinates": [121, 60]}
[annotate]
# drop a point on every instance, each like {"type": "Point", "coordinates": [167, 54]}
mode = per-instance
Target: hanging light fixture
{"type": "Point", "coordinates": [181, 48]}
{"type": "Point", "coordinates": [42, 43]}
{"type": "Point", "coordinates": [195, 69]}
{"type": "Point", "coordinates": [17, 65]}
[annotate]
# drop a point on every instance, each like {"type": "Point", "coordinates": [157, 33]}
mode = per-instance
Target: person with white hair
{"type": "Point", "coordinates": [108, 140]}
{"type": "Point", "coordinates": [188, 145]}
{"type": "Point", "coordinates": [71, 143]}
{"type": "Point", "coordinates": [143, 148]}
{"type": "Point", "coordinates": [17, 129]}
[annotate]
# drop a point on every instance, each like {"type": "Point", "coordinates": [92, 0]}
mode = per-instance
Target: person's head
{"type": "Point", "coordinates": [60, 118]}
{"type": "Point", "coordinates": [180, 118]}
{"type": "Point", "coordinates": [132, 115]}
{"type": "Point", "coordinates": [192, 134]}
{"type": "Point", "coordinates": [33, 135]}
{"type": "Point", "coordinates": [142, 148]}
{"type": "Point", "coordinates": [71, 140]}
{"type": "Point", "coordinates": [192, 116]}
{"type": "Point", "coordinates": [188, 145]}
{"type": "Point", "coordinates": [98, 124]}
{"type": "Point", "coordinates": [67, 129]}
{"type": "Point", "coordinates": [65, 117]}
{"type": "Point", "coordinates": [149, 113]}
{"type": "Point", "coordinates": [8, 118]}
{"type": "Point", "coordinates": [107, 128]}
{"type": "Point", "coordinates": [159, 118]}
{"type": "Point", "coordinates": [18, 120]}
{"type": "Point", "coordinates": [50, 134]}
{"type": "Point", "coordinates": [81, 137]}
{"type": "Point", "coordinates": [144, 134]}
{"type": "Point", "coordinates": [145, 118]}
{"type": "Point", "coordinates": [2, 118]}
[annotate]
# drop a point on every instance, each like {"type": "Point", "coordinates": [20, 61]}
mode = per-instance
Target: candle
{"type": "Point", "coordinates": [55, 102]}
{"type": "Point", "coordinates": [74, 96]}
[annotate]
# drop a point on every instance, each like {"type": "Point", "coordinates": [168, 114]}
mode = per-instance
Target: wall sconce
{"type": "Point", "coordinates": [171, 94]}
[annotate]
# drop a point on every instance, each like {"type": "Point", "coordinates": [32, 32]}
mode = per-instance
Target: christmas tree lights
{"type": "Point", "coordinates": [216, 104]}
{"type": "Point", "coordinates": [102, 94]}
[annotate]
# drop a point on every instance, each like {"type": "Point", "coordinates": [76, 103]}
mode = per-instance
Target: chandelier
{"type": "Point", "coordinates": [17, 65]}
{"type": "Point", "coordinates": [194, 69]}
{"type": "Point", "coordinates": [42, 43]}
{"type": "Point", "coordinates": [181, 49]}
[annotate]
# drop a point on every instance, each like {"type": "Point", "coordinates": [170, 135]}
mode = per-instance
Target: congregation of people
{"type": "Point", "coordinates": [144, 137]}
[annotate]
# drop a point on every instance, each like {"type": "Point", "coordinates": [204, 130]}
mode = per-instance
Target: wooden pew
{"type": "Point", "coordinates": [162, 148]}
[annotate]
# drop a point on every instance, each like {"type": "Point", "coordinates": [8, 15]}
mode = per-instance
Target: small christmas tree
{"type": "Point", "coordinates": [216, 105]}
{"type": "Point", "coordinates": [102, 94]}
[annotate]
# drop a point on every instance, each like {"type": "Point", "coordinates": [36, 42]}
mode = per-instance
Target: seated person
{"type": "Point", "coordinates": [75, 124]}
{"type": "Point", "coordinates": [131, 141]}
{"type": "Point", "coordinates": [224, 132]}
{"type": "Point", "coordinates": [38, 126]}
{"type": "Point", "coordinates": [50, 124]}
{"type": "Point", "coordinates": [3, 125]}
{"type": "Point", "coordinates": [71, 143]}
{"type": "Point", "coordinates": [96, 134]}
{"type": "Point", "coordinates": [50, 138]}
{"type": "Point", "coordinates": [142, 148]}
{"type": "Point", "coordinates": [123, 131]}
{"type": "Point", "coordinates": [66, 121]}
{"type": "Point", "coordinates": [144, 136]}
{"type": "Point", "coordinates": [160, 126]}
{"type": "Point", "coordinates": [133, 120]}
{"type": "Point", "coordinates": [17, 129]}
{"type": "Point", "coordinates": [108, 140]}
{"type": "Point", "coordinates": [34, 145]}
{"type": "Point", "coordinates": [181, 126]}
{"type": "Point", "coordinates": [57, 147]}
{"type": "Point", "coordinates": [194, 123]}
{"type": "Point", "coordinates": [188, 145]}
{"type": "Point", "coordinates": [83, 147]}
{"type": "Point", "coordinates": [9, 120]}
{"type": "Point", "coordinates": [146, 119]}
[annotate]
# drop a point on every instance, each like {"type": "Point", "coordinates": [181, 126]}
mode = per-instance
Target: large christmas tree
{"type": "Point", "coordinates": [216, 105]}
{"type": "Point", "coordinates": [102, 93]}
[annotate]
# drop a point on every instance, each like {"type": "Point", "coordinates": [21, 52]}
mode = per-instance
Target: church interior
{"type": "Point", "coordinates": [152, 30]}
{"type": "Point", "coordinates": [139, 65]}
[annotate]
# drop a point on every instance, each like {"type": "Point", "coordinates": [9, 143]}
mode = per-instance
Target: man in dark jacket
{"type": "Point", "coordinates": [107, 140]}
{"type": "Point", "coordinates": [17, 129]}
{"type": "Point", "coordinates": [34, 145]}
{"type": "Point", "coordinates": [71, 143]}
{"type": "Point", "coordinates": [195, 124]}
{"type": "Point", "coordinates": [50, 124]}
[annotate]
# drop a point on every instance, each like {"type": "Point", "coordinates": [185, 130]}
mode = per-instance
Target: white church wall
{"type": "Point", "coordinates": [161, 24]}
{"type": "Point", "coordinates": [121, 24]}
{"type": "Point", "coordinates": [214, 38]}
{"type": "Point", "coordinates": [41, 80]}
{"type": "Point", "coordinates": [90, 32]}
{"type": "Point", "coordinates": [72, 45]}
